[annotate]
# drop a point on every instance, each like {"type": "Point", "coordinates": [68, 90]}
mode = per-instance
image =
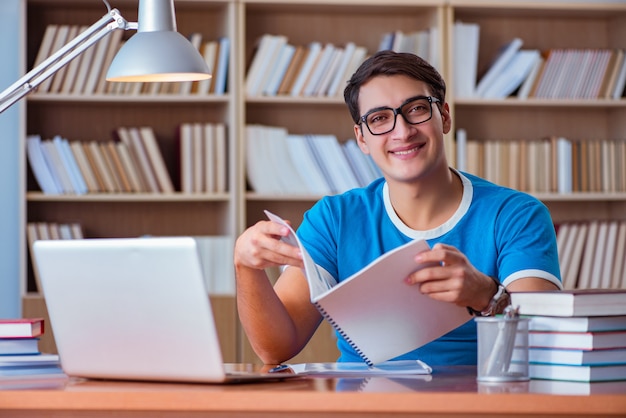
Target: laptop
{"type": "Point", "coordinates": [134, 309]}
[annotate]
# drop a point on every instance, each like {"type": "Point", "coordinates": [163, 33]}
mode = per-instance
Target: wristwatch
{"type": "Point", "coordinates": [498, 302]}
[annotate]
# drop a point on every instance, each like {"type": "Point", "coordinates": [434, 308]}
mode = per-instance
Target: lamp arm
{"type": "Point", "coordinates": [107, 24]}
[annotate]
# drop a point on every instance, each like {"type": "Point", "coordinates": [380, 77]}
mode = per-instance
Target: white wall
{"type": "Point", "coordinates": [12, 54]}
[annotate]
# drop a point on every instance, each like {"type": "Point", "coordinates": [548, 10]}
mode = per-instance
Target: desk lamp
{"type": "Point", "coordinates": [157, 52]}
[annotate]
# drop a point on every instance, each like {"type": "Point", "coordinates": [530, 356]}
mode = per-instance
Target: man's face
{"type": "Point", "coordinates": [408, 152]}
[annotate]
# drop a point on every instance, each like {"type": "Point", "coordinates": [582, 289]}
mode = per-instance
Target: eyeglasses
{"type": "Point", "coordinates": [414, 111]}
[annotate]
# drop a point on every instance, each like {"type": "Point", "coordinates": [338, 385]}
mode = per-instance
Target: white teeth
{"type": "Point", "coordinates": [405, 152]}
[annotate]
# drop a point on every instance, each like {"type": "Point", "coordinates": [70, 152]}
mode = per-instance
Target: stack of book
{"type": "Point", "coordinates": [133, 164]}
{"type": "Point", "coordinates": [20, 358]}
{"type": "Point", "coordinates": [576, 336]}
{"type": "Point", "coordinates": [288, 164]}
{"type": "Point", "coordinates": [85, 74]}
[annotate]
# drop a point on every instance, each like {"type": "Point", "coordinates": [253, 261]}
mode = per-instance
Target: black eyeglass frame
{"type": "Point", "coordinates": [398, 111]}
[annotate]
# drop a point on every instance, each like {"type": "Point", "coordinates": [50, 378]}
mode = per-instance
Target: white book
{"type": "Point", "coordinates": [379, 287]}
{"type": "Point", "coordinates": [466, 42]}
{"type": "Point", "coordinates": [330, 73]}
{"type": "Point", "coordinates": [566, 245]}
{"type": "Point", "coordinates": [564, 165]}
{"type": "Point", "coordinates": [290, 177]}
{"type": "Point", "coordinates": [572, 269]}
{"type": "Point", "coordinates": [305, 163]}
{"type": "Point", "coordinates": [314, 51]}
{"type": "Point", "coordinates": [584, 278]}
{"type": "Point", "coordinates": [338, 164]}
{"type": "Point", "coordinates": [259, 164]}
{"type": "Point", "coordinates": [76, 177]}
{"type": "Point", "coordinates": [562, 236]}
{"type": "Point", "coordinates": [209, 53]}
{"type": "Point", "coordinates": [318, 71]}
{"type": "Point", "coordinates": [186, 164]}
{"type": "Point", "coordinates": [56, 164]}
{"type": "Point", "coordinates": [277, 74]}
{"type": "Point", "coordinates": [608, 257]}
{"type": "Point", "coordinates": [41, 170]}
{"type": "Point", "coordinates": [339, 77]}
{"type": "Point", "coordinates": [264, 57]}
{"type": "Point", "coordinates": [208, 157]}
{"type": "Point", "coordinates": [512, 75]}
{"type": "Point", "coordinates": [323, 166]}
{"type": "Point", "coordinates": [359, 55]}
{"type": "Point", "coordinates": [221, 158]}
{"type": "Point", "coordinates": [598, 263]}
{"type": "Point", "coordinates": [357, 163]}
{"type": "Point", "coordinates": [198, 166]}
{"type": "Point", "coordinates": [221, 72]}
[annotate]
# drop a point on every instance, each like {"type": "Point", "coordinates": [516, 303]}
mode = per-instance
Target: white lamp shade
{"type": "Point", "coordinates": [157, 52]}
{"type": "Point", "coordinates": [158, 56]}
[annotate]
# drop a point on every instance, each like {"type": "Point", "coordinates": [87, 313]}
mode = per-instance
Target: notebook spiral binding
{"type": "Point", "coordinates": [344, 335]}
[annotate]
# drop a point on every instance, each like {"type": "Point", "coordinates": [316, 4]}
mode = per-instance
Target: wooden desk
{"type": "Point", "coordinates": [449, 392]}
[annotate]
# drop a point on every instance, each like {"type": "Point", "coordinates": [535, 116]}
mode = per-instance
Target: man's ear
{"type": "Point", "coordinates": [358, 134]}
{"type": "Point", "coordinates": [446, 118]}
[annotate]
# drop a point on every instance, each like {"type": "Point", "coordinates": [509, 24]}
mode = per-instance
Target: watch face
{"type": "Point", "coordinates": [503, 301]}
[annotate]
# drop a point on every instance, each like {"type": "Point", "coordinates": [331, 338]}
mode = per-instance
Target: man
{"type": "Point", "coordinates": [482, 235]}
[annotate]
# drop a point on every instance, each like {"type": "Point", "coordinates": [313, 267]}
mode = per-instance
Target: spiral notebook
{"type": "Point", "coordinates": [377, 313]}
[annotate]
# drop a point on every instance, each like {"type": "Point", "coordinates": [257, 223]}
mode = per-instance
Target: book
{"type": "Point", "coordinates": [156, 159]}
{"type": "Point", "coordinates": [375, 305]}
{"type": "Point", "coordinates": [563, 387]}
{"type": "Point", "coordinates": [594, 373]}
{"type": "Point", "coordinates": [354, 369]}
{"type": "Point", "coordinates": [39, 166]}
{"type": "Point", "coordinates": [19, 346]}
{"type": "Point", "coordinates": [512, 75]}
{"type": "Point", "coordinates": [575, 302]}
{"type": "Point", "coordinates": [21, 327]}
{"type": "Point", "coordinates": [577, 340]}
{"type": "Point", "coordinates": [502, 59]}
{"type": "Point", "coordinates": [577, 357]}
{"type": "Point", "coordinates": [221, 69]}
{"type": "Point", "coordinates": [577, 323]}
{"type": "Point", "coordinates": [313, 52]}
{"type": "Point", "coordinates": [29, 360]}
{"type": "Point", "coordinates": [466, 41]}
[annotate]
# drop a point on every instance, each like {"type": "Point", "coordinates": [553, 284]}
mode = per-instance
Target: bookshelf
{"type": "Point", "coordinates": [541, 24]}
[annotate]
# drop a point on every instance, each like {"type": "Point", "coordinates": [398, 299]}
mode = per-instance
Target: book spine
{"type": "Point", "coordinates": [343, 334]}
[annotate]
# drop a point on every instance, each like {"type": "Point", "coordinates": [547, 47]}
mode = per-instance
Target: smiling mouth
{"type": "Point", "coordinates": [409, 151]}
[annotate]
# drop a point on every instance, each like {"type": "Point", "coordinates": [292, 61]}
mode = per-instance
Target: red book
{"type": "Point", "coordinates": [21, 327]}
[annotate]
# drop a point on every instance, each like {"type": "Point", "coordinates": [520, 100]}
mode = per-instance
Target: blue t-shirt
{"type": "Point", "coordinates": [504, 233]}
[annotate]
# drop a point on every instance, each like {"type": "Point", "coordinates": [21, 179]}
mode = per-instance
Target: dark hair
{"type": "Point", "coordinates": [392, 63]}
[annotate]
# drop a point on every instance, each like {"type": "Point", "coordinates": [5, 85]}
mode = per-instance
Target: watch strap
{"type": "Point", "coordinates": [500, 300]}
